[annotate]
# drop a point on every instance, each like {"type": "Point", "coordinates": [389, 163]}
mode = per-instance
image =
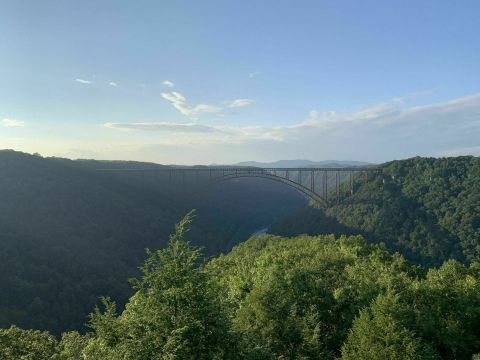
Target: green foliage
{"type": "Point", "coordinates": [426, 208]}
{"type": "Point", "coordinates": [297, 298]}
{"type": "Point", "coordinates": [434, 317]}
{"type": "Point", "coordinates": [72, 346]}
{"type": "Point", "coordinates": [277, 298]}
{"type": "Point", "coordinates": [174, 314]}
{"type": "Point", "coordinates": [448, 190]}
{"type": "Point", "coordinates": [322, 297]}
{"type": "Point", "coordinates": [19, 344]}
{"type": "Point", "coordinates": [378, 334]}
{"type": "Point", "coordinates": [306, 297]}
{"type": "Point", "coordinates": [446, 309]}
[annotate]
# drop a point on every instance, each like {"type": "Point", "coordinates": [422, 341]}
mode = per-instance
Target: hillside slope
{"type": "Point", "coordinates": [426, 208]}
{"type": "Point", "coordinates": [69, 234]}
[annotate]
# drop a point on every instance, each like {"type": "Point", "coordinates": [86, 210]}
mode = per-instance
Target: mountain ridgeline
{"type": "Point", "coordinates": [303, 164]}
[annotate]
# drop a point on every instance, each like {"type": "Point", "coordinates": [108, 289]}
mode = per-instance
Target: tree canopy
{"type": "Point", "coordinates": [407, 287]}
{"type": "Point", "coordinates": [277, 298]}
{"type": "Point", "coordinates": [428, 209]}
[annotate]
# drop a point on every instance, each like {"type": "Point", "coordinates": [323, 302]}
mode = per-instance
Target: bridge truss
{"type": "Point", "coordinates": [322, 185]}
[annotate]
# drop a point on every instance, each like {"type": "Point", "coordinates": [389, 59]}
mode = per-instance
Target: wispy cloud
{"type": "Point", "coordinates": [168, 83]}
{"type": "Point", "coordinates": [240, 103]}
{"type": "Point", "coordinates": [112, 83]}
{"type": "Point", "coordinates": [12, 123]}
{"type": "Point", "coordinates": [163, 126]}
{"type": "Point", "coordinates": [378, 132]}
{"type": "Point", "coordinates": [179, 102]}
{"type": "Point", "coordinates": [83, 81]}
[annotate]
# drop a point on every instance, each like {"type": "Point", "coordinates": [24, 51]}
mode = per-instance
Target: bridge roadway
{"type": "Point", "coordinates": [323, 185]}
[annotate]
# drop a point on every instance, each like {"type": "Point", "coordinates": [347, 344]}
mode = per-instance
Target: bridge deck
{"type": "Point", "coordinates": [322, 184]}
{"type": "Point", "coordinates": [209, 168]}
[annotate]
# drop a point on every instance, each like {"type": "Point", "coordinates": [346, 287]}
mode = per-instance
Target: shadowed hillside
{"type": "Point", "coordinates": [69, 233]}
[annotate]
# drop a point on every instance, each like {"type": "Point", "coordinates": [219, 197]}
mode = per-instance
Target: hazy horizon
{"type": "Point", "coordinates": [240, 163]}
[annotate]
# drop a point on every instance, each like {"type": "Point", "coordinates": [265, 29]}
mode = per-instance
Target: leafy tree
{"type": "Point", "coordinates": [277, 298]}
{"type": "Point", "coordinates": [446, 309]}
{"type": "Point", "coordinates": [19, 344]}
{"type": "Point", "coordinates": [175, 313]}
{"type": "Point", "coordinates": [72, 346]}
{"type": "Point", "coordinates": [378, 334]}
{"type": "Point", "coordinates": [296, 298]}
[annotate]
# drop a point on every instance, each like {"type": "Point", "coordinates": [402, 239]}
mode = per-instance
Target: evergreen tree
{"type": "Point", "coordinates": [175, 313]}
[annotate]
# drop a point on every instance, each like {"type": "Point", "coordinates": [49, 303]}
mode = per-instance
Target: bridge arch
{"type": "Point", "coordinates": [300, 188]}
{"type": "Point", "coordinates": [321, 185]}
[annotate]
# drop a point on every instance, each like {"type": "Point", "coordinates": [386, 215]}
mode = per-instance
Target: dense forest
{"type": "Point", "coordinates": [390, 272]}
{"type": "Point", "coordinates": [69, 234]}
{"type": "Point", "coordinates": [277, 298]}
{"type": "Point", "coordinates": [427, 209]}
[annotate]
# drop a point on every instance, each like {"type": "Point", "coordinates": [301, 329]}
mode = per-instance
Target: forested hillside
{"type": "Point", "coordinates": [69, 233]}
{"type": "Point", "coordinates": [426, 208]}
{"type": "Point", "coordinates": [275, 298]}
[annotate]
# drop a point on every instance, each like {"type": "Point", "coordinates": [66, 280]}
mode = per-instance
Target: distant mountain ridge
{"type": "Point", "coordinates": [303, 163]}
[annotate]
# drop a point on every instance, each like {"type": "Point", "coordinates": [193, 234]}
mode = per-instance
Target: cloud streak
{"type": "Point", "coordinates": [240, 103]}
{"type": "Point", "coordinates": [83, 81]}
{"type": "Point", "coordinates": [375, 133]}
{"type": "Point", "coordinates": [12, 123]}
{"type": "Point", "coordinates": [163, 126]}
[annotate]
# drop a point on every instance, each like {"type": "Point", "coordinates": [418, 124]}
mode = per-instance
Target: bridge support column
{"type": "Point", "coordinates": [351, 182]}
{"type": "Point", "coordinates": [312, 180]}
{"type": "Point", "coordinates": [337, 185]}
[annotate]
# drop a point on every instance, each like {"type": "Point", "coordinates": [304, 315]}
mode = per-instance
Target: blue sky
{"type": "Point", "coordinates": [225, 81]}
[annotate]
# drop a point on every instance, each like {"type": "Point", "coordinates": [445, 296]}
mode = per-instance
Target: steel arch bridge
{"type": "Point", "coordinates": [322, 185]}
